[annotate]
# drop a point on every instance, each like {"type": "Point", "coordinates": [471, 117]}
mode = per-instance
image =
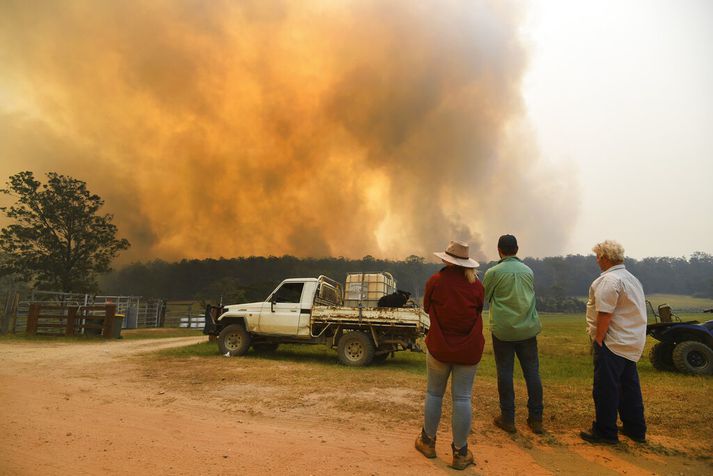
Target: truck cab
{"type": "Point", "coordinates": [286, 311]}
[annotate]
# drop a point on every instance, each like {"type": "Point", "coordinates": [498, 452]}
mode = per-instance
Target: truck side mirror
{"type": "Point", "coordinates": [272, 304]}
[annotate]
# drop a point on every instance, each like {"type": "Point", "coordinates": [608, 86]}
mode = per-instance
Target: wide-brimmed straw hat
{"type": "Point", "coordinates": [457, 253]}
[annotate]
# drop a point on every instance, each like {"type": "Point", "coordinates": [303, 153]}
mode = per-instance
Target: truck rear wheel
{"type": "Point", "coordinates": [234, 340]}
{"type": "Point", "coordinates": [355, 349]}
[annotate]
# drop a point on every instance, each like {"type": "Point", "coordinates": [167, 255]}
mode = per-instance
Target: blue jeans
{"type": "Point", "coordinates": [461, 390]}
{"type": "Point", "coordinates": [526, 351]}
{"type": "Point", "coordinates": [616, 389]}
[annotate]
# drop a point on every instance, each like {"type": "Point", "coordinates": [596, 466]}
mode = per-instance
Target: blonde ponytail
{"type": "Point", "coordinates": [470, 274]}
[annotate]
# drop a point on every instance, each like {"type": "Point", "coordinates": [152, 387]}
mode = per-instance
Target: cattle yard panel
{"type": "Point", "coordinates": [188, 314]}
{"type": "Point", "coordinates": [57, 320]}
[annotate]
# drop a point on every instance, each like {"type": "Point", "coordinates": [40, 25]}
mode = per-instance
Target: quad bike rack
{"type": "Point", "coordinates": [665, 313]}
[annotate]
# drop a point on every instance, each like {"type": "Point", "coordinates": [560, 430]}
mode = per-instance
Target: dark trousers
{"type": "Point", "coordinates": [616, 389]}
{"type": "Point", "coordinates": [526, 351]}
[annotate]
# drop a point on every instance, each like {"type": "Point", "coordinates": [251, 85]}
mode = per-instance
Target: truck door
{"type": "Point", "coordinates": [282, 314]}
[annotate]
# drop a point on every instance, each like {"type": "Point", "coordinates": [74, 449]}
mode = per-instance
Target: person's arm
{"type": "Point", "coordinates": [605, 298]}
{"type": "Point", "coordinates": [488, 285]}
{"type": "Point", "coordinates": [603, 320]}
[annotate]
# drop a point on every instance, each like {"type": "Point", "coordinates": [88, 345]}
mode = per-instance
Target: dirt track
{"type": "Point", "coordinates": [91, 409]}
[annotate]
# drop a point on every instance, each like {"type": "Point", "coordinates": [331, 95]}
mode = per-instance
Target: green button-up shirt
{"type": "Point", "coordinates": [510, 290]}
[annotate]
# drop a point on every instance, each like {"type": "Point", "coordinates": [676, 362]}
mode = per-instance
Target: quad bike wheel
{"type": "Point", "coordinates": [693, 357]}
{"type": "Point", "coordinates": [661, 356]}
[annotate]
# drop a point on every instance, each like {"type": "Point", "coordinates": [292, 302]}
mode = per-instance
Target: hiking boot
{"type": "Point", "coordinates": [593, 436]}
{"type": "Point", "coordinates": [632, 436]}
{"type": "Point", "coordinates": [462, 458]}
{"type": "Point", "coordinates": [426, 445]}
{"type": "Point", "coordinates": [535, 425]}
{"type": "Point", "coordinates": [505, 424]}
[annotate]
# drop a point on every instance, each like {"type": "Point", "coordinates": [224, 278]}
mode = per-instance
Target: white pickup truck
{"type": "Point", "coordinates": [311, 311]}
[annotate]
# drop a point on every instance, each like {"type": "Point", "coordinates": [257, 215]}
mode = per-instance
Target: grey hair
{"type": "Point", "coordinates": [611, 250]}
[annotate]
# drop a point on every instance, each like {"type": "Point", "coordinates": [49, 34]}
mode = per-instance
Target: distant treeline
{"type": "Point", "coordinates": [557, 279]}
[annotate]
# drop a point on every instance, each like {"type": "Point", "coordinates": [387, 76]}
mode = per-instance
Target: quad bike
{"type": "Point", "coordinates": [683, 346]}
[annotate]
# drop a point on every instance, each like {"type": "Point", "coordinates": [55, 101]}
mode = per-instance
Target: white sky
{"type": "Point", "coordinates": [622, 92]}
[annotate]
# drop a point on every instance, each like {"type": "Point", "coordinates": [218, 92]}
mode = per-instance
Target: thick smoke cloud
{"type": "Point", "coordinates": [269, 128]}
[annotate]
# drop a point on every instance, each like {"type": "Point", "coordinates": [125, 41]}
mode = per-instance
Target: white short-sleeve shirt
{"type": "Point", "coordinates": [618, 292]}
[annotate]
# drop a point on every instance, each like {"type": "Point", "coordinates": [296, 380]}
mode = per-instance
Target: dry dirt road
{"type": "Point", "coordinates": [72, 409]}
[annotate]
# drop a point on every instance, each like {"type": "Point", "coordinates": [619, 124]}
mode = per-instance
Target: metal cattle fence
{"type": "Point", "coordinates": [137, 311]}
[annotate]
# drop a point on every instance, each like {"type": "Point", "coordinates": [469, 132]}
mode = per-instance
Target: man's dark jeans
{"type": "Point", "coordinates": [526, 351]}
{"type": "Point", "coordinates": [616, 389]}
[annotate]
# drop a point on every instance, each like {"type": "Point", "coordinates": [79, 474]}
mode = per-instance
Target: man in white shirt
{"type": "Point", "coordinates": [616, 323]}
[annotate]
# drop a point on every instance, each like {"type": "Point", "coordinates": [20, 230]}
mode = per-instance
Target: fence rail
{"type": "Point", "coordinates": [184, 314]}
{"type": "Point", "coordinates": [55, 320]}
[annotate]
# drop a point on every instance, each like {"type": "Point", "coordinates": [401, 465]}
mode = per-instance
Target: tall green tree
{"type": "Point", "coordinates": [58, 240]}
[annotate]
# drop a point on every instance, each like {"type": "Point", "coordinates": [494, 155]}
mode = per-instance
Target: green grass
{"type": "Point", "coordinates": [564, 349]}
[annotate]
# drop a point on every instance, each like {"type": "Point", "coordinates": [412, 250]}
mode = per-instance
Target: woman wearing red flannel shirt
{"type": "Point", "coordinates": [454, 301]}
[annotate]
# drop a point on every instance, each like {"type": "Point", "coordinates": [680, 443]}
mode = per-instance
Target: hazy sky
{"type": "Point", "coordinates": [622, 92]}
{"type": "Point", "coordinates": [370, 127]}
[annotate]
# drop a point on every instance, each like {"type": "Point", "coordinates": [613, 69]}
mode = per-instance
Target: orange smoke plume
{"type": "Point", "coordinates": [270, 127]}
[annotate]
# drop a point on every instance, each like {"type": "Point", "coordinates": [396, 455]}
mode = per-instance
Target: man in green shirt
{"type": "Point", "coordinates": [514, 323]}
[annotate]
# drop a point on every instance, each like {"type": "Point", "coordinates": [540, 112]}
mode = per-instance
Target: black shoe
{"type": "Point", "coordinates": [632, 436]}
{"type": "Point", "coordinates": [593, 436]}
{"type": "Point", "coordinates": [505, 424]}
{"type": "Point", "coordinates": [535, 425]}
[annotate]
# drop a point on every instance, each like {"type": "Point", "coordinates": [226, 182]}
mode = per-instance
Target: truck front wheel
{"type": "Point", "coordinates": [355, 349]}
{"type": "Point", "coordinates": [234, 340]}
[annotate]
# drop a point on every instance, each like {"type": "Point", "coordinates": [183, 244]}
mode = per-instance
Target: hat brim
{"type": "Point", "coordinates": [466, 263]}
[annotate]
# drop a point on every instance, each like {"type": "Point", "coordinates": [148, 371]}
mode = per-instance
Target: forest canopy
{"type": "Point", "coordinates": [252, 278]}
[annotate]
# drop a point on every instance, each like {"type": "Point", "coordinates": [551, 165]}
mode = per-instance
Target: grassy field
{"type": "Point", "coordinates": [677, 406]}
{"type": "Point", "coordinates": [680, 302]}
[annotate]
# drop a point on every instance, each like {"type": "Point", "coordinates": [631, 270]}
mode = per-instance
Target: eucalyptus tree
{"type": "Point", "coordinates": [58, 239]}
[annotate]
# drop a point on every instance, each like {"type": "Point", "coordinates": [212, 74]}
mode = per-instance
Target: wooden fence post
{"type": "Point", "coordinates": [109, 310]}
{"type": "Point", "coordinates": [71, 321]}
{"type": "Point", "coordinates": [32, 319]}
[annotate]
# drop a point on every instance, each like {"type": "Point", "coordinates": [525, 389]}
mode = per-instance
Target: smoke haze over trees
{"type": "Point", "coordinates": [253, 278]}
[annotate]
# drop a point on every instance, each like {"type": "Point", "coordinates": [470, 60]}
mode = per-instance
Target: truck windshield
{"type": "Point", "coordinates": [288, 292]}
